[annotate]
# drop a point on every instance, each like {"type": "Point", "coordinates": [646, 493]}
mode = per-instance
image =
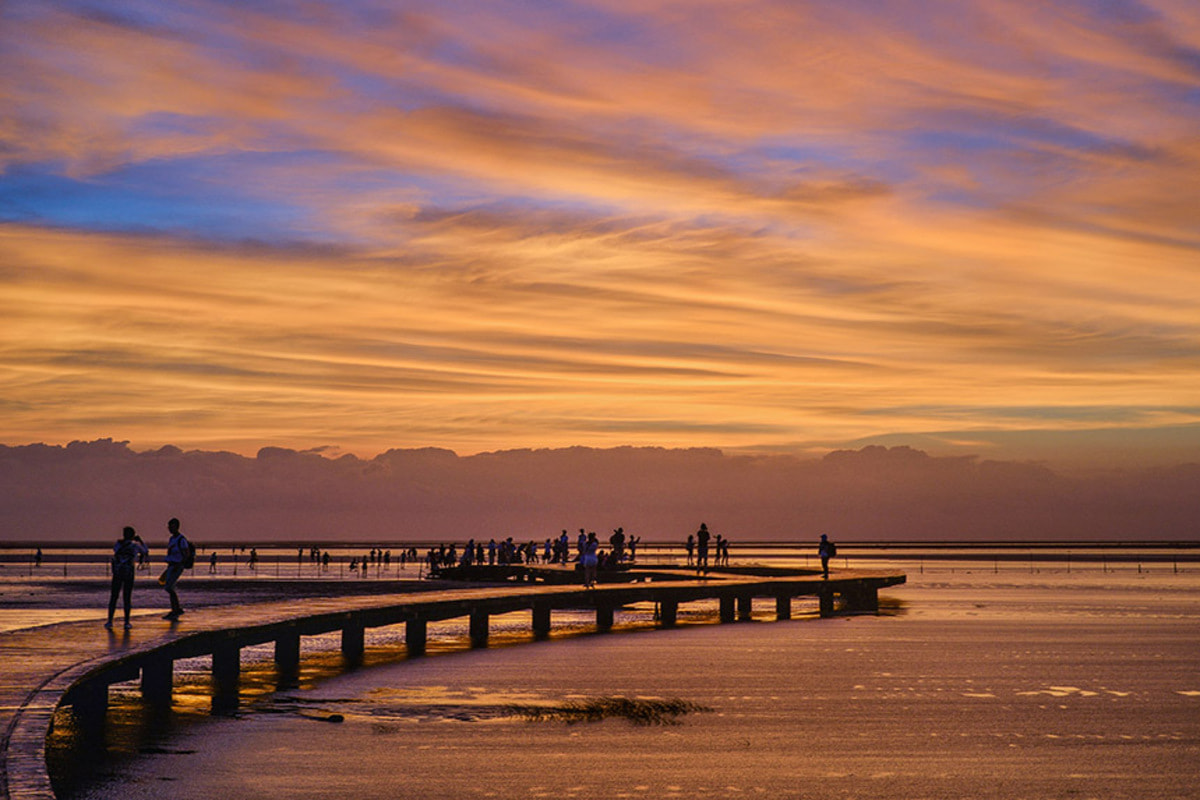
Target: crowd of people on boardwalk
{"type": "Point", "coordinates": [130, 554]}
{"type": "Point", "coordinates": [587, 556]}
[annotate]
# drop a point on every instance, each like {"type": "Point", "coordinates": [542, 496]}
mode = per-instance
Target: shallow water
{"type": "Point", "coordinates": [971, 684]}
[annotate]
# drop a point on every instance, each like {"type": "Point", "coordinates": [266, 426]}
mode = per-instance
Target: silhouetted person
{"type": "Point", "coordinates": [176, 548]}
{"type": "Point", "coordinates": [826, 550]}
{"type": "Point", "coordinates": [589, 559]}
{"type": "Point", "coordinates": [37, 558]}
{"type": "Point", "coordinates": [124, 566]}
{"type": "Point", "coordinates": [691, 546]}
{"type": "Point", "coordinates": [617, 540]}
{"type": "Point", "coordinates": [212, 563]}
{"type": "Point", "coordinates": [702, 536]}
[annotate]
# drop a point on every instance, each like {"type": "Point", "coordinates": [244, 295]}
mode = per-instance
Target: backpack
{"type": "Point", "coordinates": [123, 558]}
{"type": "Point", "coordinates": [189, 554]}
{"type": "Point", "coordinates": [832, 549]}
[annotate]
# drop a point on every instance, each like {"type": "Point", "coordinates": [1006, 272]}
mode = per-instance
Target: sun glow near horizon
{"type": "Point", "coordinates": [783, 226]}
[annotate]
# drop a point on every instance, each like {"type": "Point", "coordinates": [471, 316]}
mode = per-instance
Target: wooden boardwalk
{"type": "Point", "coordinates": [75, 663]}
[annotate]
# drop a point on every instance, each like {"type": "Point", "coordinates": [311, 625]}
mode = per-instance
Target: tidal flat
{"type": "Point", "coordinates": [969, 683]}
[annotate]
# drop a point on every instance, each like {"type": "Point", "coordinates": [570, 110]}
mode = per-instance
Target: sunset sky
{"type": "Point", "coordinates": [770, 226]}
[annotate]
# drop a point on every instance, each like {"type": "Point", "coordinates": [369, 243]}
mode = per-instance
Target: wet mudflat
{"type": "Point", "coordinates": [970, 684]}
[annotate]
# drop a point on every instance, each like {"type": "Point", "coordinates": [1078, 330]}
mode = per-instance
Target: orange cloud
{"type": "Point", "coordinates": [763, 224]}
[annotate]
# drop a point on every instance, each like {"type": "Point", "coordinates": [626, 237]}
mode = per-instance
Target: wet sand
{"type": "Point", "coordinates": [971, 684]}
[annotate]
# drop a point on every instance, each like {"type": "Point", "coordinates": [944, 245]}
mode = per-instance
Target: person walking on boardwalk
{"type": "Point", "coordinates": [691, 545]}
{"type": "Point", "coordinates": [177, 547]}
{"type": "Point", "coordinates": [124, 565]}
{"type": "Point", "coordinates": [826, 550]}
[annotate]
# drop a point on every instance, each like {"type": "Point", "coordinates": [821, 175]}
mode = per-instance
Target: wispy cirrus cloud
{"type": "Point", "coordinates": [486, 224]}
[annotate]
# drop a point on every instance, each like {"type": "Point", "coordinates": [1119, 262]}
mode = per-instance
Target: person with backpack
{"type": "Point", "coordinates": [179, 553]}
{"type": "Point", "coordinates": [126, 552]}
{"type": "Point", "coordinates": [826, 550]}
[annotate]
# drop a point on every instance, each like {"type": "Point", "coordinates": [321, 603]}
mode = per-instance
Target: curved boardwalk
{"type": "Point", "coordinates": [74, 663]}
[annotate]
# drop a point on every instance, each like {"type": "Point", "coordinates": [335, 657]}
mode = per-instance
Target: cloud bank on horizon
{"type": "Point", "coordinates": [88, 491]}
{"type": "Point", "coordinates": [765, 225]}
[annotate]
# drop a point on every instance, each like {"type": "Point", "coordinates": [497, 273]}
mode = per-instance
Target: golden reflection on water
{"type": "Point", "coordinates": [77, 757]}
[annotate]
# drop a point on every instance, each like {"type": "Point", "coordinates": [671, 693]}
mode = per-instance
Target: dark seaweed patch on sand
{"type": "Point", "coordinates": [638, 711]}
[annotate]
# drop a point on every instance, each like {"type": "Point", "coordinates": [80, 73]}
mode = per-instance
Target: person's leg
{"type": "Point", "coordinates": [112, 598]}
{"type": "Point", "coordinates": [127, 591]}
{"type": "Point", "coordinates": [173, 573]}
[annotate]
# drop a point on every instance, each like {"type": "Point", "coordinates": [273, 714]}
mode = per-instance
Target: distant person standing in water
{"type": "Point", "coordinates": [177, 546]}
{"type": "Point", "coordinates": [826, 550]}
{"type": "Point", "coordinates": [126, 552]}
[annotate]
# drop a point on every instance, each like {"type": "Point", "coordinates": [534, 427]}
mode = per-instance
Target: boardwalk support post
{"type": "Point", "coordinates": [90, 701]}
{"type": "Point", "coordinates": [157, 680]}
{"type": "Point", "coordinates": [287, 656]}
{"type": "Point", "coordinates": [783, 606]}
{"type": "Point", "coordinates": [353, 642]}
{"type": "Point", "coordinates": [728, 608]}
{"type": "Point", "coordinates": [861, 598]}
{"type": "Point", "coordinates": [604, 618]}
{"type": "Point", "coordinates": [541, 620]}
{"type": "Point", "coordinates": [669, 613]}
{"type": "Point", "coordinates": [415, 635]}
{"type": "Point", "coordinates": [826, 601]}
{"type": "Point", "coordinates": [226, 672]}
{"type": "Point", "coordinates": [479, 628]}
